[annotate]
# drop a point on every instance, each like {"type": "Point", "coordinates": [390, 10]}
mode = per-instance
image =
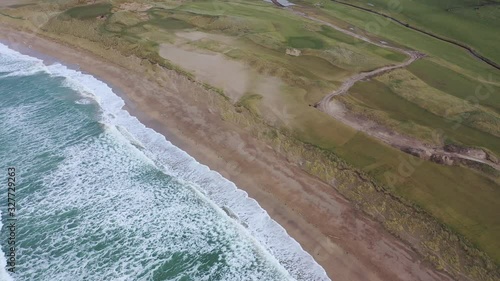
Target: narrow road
{"type": "Point", "coordinates": [407, 25]}
{"type": "Point", "coordinates": [412, 56]}
{"type": "Point", "coordinates": [323, 104]}
{"type": "Point", "coordinates": [405, 143]}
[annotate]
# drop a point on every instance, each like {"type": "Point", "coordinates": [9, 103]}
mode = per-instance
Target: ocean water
{"type": "Point", "coordinates": [102, 197]}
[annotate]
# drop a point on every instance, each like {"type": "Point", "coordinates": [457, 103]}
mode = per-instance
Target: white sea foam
{"type": "Point", "coordinates": [83, 101]}
{"type": "Point", "coordinates": [18, 64]}
{"type": "Point", "coordinates": [265, 232]}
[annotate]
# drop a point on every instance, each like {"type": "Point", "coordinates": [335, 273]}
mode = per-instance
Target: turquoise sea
{"type": "Point", "coordinates": [102, 197]}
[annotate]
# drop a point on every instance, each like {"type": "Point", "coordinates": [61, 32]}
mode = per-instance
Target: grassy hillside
{"type": "Point", "coordinates": [473, 22]}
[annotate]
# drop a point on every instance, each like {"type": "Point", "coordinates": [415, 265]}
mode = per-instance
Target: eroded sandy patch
{"type": "Point", "coordinates": [135, 7]}
{"type": "Point", "coordinates": [6, 3]}
{"type": "Point", "coordinates": [198, 35]}
{"type": "Point", "coordinates": [234, 77]}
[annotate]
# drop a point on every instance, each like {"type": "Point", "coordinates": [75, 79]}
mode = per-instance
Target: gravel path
{"type": "Point", "coordinates": [405, 143]}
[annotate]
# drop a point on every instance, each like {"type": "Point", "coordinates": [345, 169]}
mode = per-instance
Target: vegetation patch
{"type": "Point", "coordinates": [219, 91]}
{"type": "Point", "coordinates": [439, 103]}
{"type": "Point", "coordinates": [305, 42]}
{"type": "Point", "coordinates": [376, 96]}
{"type": "Point", "coordinates": [125, 18]}
{"type": "Point", "coordinates": [88, 11]}
{"type": "Point", "coordinates": [170, 23]}
{"type": "Point", "coordinates": [249, 101]}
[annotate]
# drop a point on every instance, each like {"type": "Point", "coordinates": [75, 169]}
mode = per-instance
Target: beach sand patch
{"type": "Point", "coordinates": [234, 77]}
{"type": "Point", "coordinates": [135, 7]}
{"type": "Point", "coordinates": [198, 35]}
{"type": "Point", "coordinates": [6, 3]}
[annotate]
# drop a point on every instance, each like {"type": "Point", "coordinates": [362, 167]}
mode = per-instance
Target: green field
{"type": "Point", "coordinates": [88, 12]}
{"type": "Point", "coordinates": [407, 113]}
{"type": "Point", "coordinates": [473, 22]}
{"type": "Point", "coordinates": [455, 83]}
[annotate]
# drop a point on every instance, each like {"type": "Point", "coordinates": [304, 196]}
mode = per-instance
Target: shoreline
{"type": "Point", "coordinates": [348, 244]}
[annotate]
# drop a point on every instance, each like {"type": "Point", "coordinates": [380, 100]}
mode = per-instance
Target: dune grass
{"type": "Point", "coordinates": [374, 96]}
{"type": "Point", "coordinates": [457, 84]}
{"type": "Point", "coordinates": [463, 199]}
{"type": "Point", "coordinates": [88, 11]}
{"type": "Point", "coordinates": [249, 101]}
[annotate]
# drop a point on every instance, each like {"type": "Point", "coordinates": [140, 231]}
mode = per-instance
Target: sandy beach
{"type": "Point", "coordinates": [346, 242]}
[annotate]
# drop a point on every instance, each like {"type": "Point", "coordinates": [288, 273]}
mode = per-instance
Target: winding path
{"type": "Point", "coordinates": [323, 104]}
{"type": "Point", "coordinates": [405, 143]}
{"type": "Point", "coordinates": [407, 25]}
{"type": "Point", "coordinates": [412, 56]}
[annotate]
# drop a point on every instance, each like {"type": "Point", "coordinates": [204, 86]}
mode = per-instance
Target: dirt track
{"type": "Point", "coordinates": [323, 104]}
{"type": "Point", "coordinates": [407, 25]}
{"type": "Point", "coordinates": [405, 143]}
{"type": "Point", "coordinates": [412, 56]}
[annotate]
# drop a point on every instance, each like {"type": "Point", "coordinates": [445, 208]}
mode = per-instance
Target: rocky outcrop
{"type": "Point", "coordinates": [442, 159]}
{"type": "Point", "coordinates": [469, 151]}
{"type": "Point", "coordinates": [293, 52]}
{"type": "Point", "coordinates": [417, 152]}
